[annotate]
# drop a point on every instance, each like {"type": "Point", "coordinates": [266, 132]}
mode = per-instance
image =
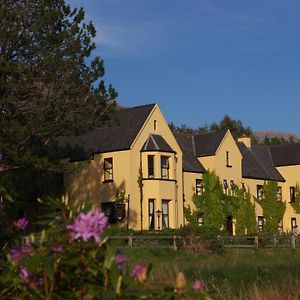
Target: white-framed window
{"type": "Point", "coordinates": [108, 169]}
{"type": "Point", "coordinates": [164, 164]}
{"type": "Point", "coordinates": [200, 219]}
{"type": "Point", "coordinates": [151, 209]}
{"type": "Point", "coordinates": [261, 223]}
{"type": "Point", "coordinates": [279, 193]}
{"type": "Point", "coordinates": [260, 192]}
{"type": "Point", "coordinates": [150, 166]}
{"type": "Point", "coordinates": [294, 225]}
{"type": "Point", "coordinates": [165, 213]}
{"type": "Point", "coordinates": [280, 226]}
{"type": "Point", "coordinates": [232, 188]}
{"type": "Point", "coordinates": [199, 187]}
{"type": "Point", "coordinates": [292, 194]}
{"type": "Point", "coordinates": [225, 186]}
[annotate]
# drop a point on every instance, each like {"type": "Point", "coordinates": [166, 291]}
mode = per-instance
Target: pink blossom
{"type": "Point", "coordinates": [18, 254]}
{"type": "Point", "coordinates": [199, 286]}
{"type": "Point", "coordinates": [120, 260]}
{"type": "Point", "coordinates": [139, 272]}
{"type": "Point", "coordinates": [21, 224]}
{"type": "Point", "coordinates": [24, 274]}
{"type": "Point", "coordinates": [85, 226]}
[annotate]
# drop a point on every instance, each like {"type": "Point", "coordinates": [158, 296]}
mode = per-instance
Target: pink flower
{"type": "Point", "coordinates": [24, 274]}
{"type": "Point", "coordinates": [28, 277]}
{"type": "Point", "coordinates": [198, 286]}
{"type": "Point", "coordinates": [21, 224]}
{"type": "Point", "coordinates": [139, 272]}
{"type": "Point", "coordinates": [18, 254]}
{"type": "Point", "coordinates": [85, 226]}
{"type": "Point", "coordinates": [120, 260]}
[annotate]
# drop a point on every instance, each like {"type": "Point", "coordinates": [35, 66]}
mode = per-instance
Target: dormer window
{"type": "Point", "coordinates": [228, 165]}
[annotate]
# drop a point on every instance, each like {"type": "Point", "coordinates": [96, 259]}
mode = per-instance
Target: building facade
{"type": "Point", "coordinates": [142, 175]}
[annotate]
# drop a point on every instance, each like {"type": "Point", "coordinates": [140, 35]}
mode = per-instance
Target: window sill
{"type": "Point", "coordinates": [108, 181]}
{"type": "Point", "coordinates": [229, 166]}
{"type": "Point", "coordinates": [161, 179]}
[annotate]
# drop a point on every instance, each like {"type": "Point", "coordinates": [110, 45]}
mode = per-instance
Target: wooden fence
{"type": "Point", "coordinates": [283, 241]}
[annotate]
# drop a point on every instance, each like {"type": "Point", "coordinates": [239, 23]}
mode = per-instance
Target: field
{"type": "Point", "coordinates": [236, 274]}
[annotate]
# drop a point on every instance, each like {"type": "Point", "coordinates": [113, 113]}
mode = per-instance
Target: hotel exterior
{"type": "Point", "coordinates": [142, 175]}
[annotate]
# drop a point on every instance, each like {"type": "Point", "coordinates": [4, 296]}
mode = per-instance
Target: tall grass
{"type": "Point", "coordinates": [238, 274]}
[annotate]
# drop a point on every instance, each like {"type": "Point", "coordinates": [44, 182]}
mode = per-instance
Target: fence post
{"type": "Point", "coordinates": [130, 240]}
{"type": "Point", "coordinates": [256, 241]}
{"type": "Point", "coordinates": [174, 243]}
{"type": "Point", "coordinates": [293, 242]}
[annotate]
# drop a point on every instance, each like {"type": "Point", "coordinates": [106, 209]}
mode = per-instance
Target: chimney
{"type": "Point", "coordinates": [246, 140]}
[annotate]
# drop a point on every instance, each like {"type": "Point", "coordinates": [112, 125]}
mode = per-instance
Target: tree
{"type": "Point", "coordinates": [273, 209]}
{"type": "Point", "coordinates": [49, 83]}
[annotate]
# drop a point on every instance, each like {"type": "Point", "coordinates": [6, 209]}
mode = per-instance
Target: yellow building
{"type": "Point", "coordinates": [142, 175]}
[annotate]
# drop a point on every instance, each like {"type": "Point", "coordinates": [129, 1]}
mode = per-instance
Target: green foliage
{"type": "Point", "coordinates": [273, 209]}
{"type": "Point", "coordinates": [245, 214]}
{"type": "Point", "coordinates": [296, 203]}
{"type": "Point", "coordinates": [49, 85]}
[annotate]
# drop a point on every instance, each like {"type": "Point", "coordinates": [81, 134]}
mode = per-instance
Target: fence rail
{"type": "Point", "coordinates": [227, 241]}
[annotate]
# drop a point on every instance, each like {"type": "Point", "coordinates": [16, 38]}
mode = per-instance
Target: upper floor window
{"type": "Point", "coordinates": [155, 125]}
{"type": "Point", "coordinates": [199, 187]}
{"type": "Point", "coordinates": [164, 163]}
{"type": "Point", "coordinates": [150, 166]}
{"type": "Point", "coordinates": [279, 193]}
{"type": "Point", "coordinates": [260, 192]}
{"type": "Point", "coordinates": [225, 186]}
{"type": "Point", "coordinates": [108, 169]}
{"type": "Point", "coordinates": [228, 160]}
{"type": "Point", "coordinates": [232, 188]}
{"type": "Point", "coordinates": [292, 194]}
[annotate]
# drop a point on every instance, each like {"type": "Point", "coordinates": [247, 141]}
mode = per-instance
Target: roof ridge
{"type": "Point", "coordinates": [139, 106]}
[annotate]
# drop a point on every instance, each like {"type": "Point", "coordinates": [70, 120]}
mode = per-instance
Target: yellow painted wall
{"type": "Point", "coordinates": [292, 177]}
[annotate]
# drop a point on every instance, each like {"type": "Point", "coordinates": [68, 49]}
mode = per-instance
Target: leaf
{"type": "Point", "coordinates": [114, 275]}
{"type": "Point", "coordinates": [33, 262]}
{"type": "Point", "coordinates": [49, 268]}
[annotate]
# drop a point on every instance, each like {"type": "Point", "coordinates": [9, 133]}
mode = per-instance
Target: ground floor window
{"type": "Point", "coordinates": [200, 219]}
{"type": "Point", "coordinates": [108, 209]}
{"type": "Point", "coordinates": [151, 214]}
{"type": "Point", "coordinates": [261, 222]}
{"type": "Point", "coordinates": [165, 214]}
{"type": "Point", "coordinates": [280, 226]}
{"type": "Point", "coordinates": [294, 225]}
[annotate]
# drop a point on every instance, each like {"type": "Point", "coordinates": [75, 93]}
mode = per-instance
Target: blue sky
{"type": "Point", "coordinates": [202, 59]}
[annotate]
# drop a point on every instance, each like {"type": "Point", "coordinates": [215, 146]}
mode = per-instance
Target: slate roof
{"type": "Point", "coordinates": [206, 144]}
{"type": "Point", "coordinates": [187, 144]}
{"type": "Point", "coordinates": [285, 155]}
{"type": "Point", "coordinates": [115, 136]}
{"type": "Point", "coordinates": [156, 142]}
{"type": "Point", "coordinates": [257, 163]}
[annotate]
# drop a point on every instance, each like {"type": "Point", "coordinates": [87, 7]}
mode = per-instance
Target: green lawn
{"type": "Point", "coordinates": [227, 275]}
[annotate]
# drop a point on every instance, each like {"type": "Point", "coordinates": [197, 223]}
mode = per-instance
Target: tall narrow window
{"type": "Point", "coordinates": [261, 221]}
{"type": "Point", "coordinates": [108, 209]}
{"type": "Point", "coordinates": [151, 214]}
{"type": "Point", "coordinates": [279, 193]}
{"type": "Point", "coordinates": [280, 226]}
{"type": "Point", "coordinates": [292, 194]}
{"type": "Point", "coordinates": [200, 219]}
{"type": "Point", "coordinates": [164, 162]}
{"type": "Point", "coordinates": [155, 125]}
{"type": "Point", "coordinates": [199, 187]}
{"type": "Point", "coordinates": [150, 166]}
{"type": "Point", "coordinates": [165, 214]}
{"type": "Point", "coordinates": [225, 186]}
{"type": "Point", "coordinates": [108, 169]}
{"type": "Point", "coordinates": [294, 224]}
{"type": "Point", "coordinates": [228, 160]}
{"type": "Point", "coordinates": [260, 192]}
{"type": "Point", "coordinates": [232, 188]}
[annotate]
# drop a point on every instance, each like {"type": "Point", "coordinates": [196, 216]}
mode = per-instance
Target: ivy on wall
{"type": "Point", "coordinates": [216, 207]}
{"type": "Point", "coordinates": [245, 214]}
{"type": "Point", "coordinates": [273, 210]}
{"type": "Point", "coordinates": [296, 203]}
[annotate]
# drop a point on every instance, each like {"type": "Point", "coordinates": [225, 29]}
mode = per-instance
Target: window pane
{"type": "Point", "coordinates": [165, 214]}
{"type": "Point", "coordinates": [150, 166]}
{"type": "Point", "coordinates": [164, 163]}
{"type": "Point", "coordinates": [108, 168]}
{"type": "Point", "coordinates": [151, 213]}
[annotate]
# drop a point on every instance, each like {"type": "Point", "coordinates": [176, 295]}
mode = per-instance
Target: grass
{"type": "Point", "coordinates": [237, 274]}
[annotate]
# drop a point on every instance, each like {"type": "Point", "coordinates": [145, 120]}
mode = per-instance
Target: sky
{"type": "Point", "coordinates": [202, 59]}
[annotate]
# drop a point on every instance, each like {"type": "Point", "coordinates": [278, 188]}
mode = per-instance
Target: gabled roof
{"type": "Point", "coordinates": [206, 144]}
{"type": "Point", "coordinates": [156, 142]}
{"type": "Point", "coordinates": [187, 145]}
{"type": "Point", "coordinates": [257, 163]}
{"type": "Point", "coordinates": [115, 136]}
{"type": "Point", "coordinates": [285, 155]}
